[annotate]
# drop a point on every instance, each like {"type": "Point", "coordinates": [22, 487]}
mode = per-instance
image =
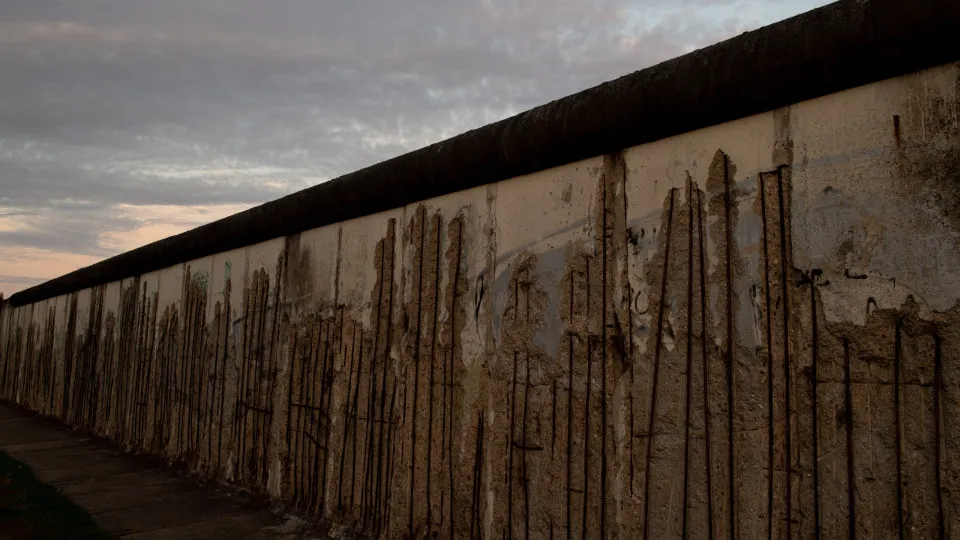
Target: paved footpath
{"type": "Point", "coordinates": [130, 496]}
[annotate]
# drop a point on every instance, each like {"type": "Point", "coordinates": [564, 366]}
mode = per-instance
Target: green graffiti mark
{"type": "Point", "coordinates": [202, 279]}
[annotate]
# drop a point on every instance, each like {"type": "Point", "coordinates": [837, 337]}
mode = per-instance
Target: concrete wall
{"type": "Point", "coordinates": [747, 330]}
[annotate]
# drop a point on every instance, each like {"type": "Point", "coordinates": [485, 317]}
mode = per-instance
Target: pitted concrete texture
{"type": "Point", "coordinates": [131, 497]}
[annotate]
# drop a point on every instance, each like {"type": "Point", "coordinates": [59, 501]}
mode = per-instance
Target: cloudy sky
{"type": "Point", "coordinates": [124, 121]}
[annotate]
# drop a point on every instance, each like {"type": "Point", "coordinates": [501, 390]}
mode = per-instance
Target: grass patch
{"type": "Point", "coordinates": [31, 509]}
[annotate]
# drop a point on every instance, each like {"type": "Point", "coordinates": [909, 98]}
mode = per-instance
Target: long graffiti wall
{"type": "Point", "coordinates": [749, 330]}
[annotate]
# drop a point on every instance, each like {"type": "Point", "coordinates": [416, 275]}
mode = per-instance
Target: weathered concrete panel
{"type": "Point", "coordinates": [693, 236]}
{"type": "Point", "coordinates": [257, 341]}
{"type": "Point", "coordinates": [227, 280]}
{"type": "Point", "coordinates": [873, 223]}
